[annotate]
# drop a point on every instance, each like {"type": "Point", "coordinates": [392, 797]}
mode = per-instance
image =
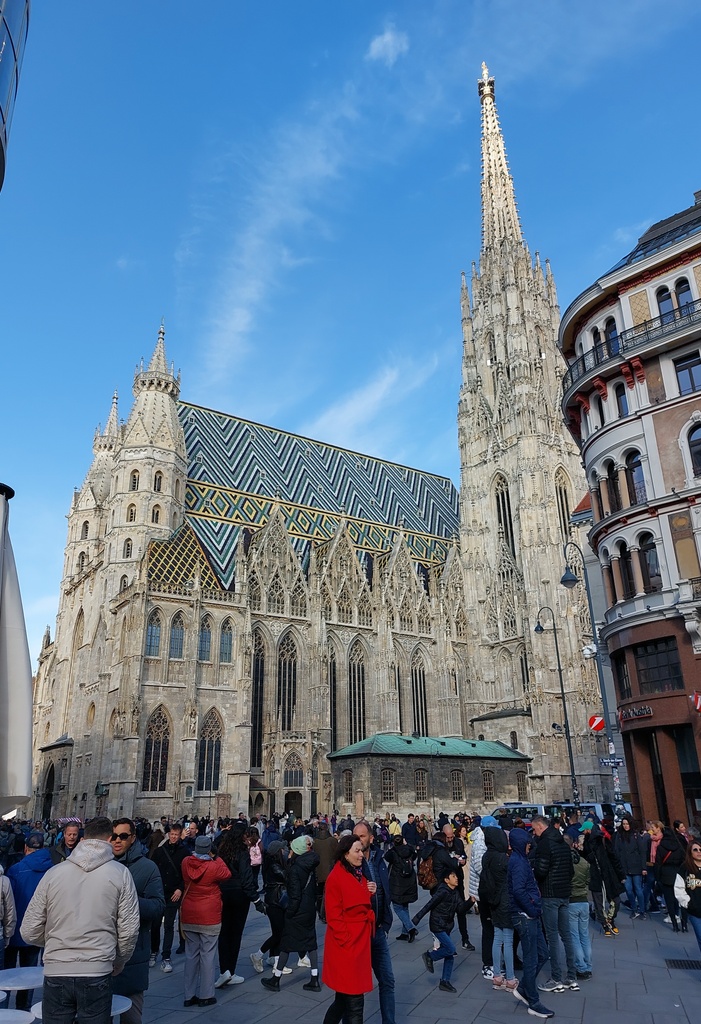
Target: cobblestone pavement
{"type": "Point", "coordinates": [631, 980]}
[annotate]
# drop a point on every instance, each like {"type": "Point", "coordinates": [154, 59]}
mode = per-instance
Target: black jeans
{"type": "Point", "coordinates": [347, 1008]}
{"type": "Point", "coordinates": [168, 921]}
{"type": "Point", "coordinates": [28, 956]}
{"type": "Point", "coordinates": [487, 933]}
{"type": "Point", "coordinates": [234, 914]}
{"type": "Point", "coordinates": [85, 1000]}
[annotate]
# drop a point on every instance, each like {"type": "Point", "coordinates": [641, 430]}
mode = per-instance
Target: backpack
{"type": "Point", "coordinates": [425, 874]}
{"type": "Point", "coordinates": [405, 867]}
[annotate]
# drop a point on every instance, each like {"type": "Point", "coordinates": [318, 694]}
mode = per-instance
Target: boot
{"type": "Point", "coordinates": [313, 984]}
{"type": "Point", "coordinates": [675, 924]}
{"type": "Point", "coordinates": [273, 984]}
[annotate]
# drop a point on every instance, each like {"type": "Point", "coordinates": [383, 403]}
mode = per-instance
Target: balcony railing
{"type": "Point", "coordinates": [631, 340]}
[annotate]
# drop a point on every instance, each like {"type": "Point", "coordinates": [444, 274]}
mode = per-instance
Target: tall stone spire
{"type": "Point", "coordinates": [500, 221]}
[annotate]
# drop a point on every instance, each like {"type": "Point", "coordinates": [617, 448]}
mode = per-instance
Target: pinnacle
{"type": "Point", "coordinates": [158, 359]}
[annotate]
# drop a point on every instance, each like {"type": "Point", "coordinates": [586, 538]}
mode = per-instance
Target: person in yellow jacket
{"type": "Point", "coordinates": [395, 828]}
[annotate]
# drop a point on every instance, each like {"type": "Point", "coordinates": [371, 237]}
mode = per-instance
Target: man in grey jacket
{"type": "Point", "coordinates": [85, 913]}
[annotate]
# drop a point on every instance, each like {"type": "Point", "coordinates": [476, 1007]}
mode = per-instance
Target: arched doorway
{"type": "Point", "coordinates": [293, 802]}
{"type": "Point", "coordinates": [48, 793]}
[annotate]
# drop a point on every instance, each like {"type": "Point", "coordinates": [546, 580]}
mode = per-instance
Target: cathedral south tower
{"type": "Point", "coordinates": [520, 477]}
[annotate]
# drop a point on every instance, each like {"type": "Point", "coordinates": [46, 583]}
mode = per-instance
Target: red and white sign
{"type": "Point", "coordinates": [696, 699]}
{"type": "Point", "coordinates": [597, 723]}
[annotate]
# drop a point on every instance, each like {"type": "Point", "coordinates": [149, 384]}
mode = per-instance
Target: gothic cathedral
{"type": "Point", "coordinates": [238, 602]}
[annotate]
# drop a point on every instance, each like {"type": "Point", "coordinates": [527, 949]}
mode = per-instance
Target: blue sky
{"type": "Point", "coordinates": [295, 188]}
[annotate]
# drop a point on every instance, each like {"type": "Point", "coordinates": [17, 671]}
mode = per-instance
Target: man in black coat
{"type": "Point", "coordinates": [402, 884]}
{"type": "Point", "coordinates": [553, 869]}
{"type": "Point", "coordinates": [168, 858]}
{"type": "Point", "coordinates": [409, 831]}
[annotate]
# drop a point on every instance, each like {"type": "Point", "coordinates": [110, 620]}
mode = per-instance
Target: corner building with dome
{"type": "Point", "coordinates": [248, 616]}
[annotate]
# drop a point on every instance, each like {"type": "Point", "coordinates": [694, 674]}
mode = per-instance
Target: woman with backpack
{"type": "Point", "coordinates": [403, 886]}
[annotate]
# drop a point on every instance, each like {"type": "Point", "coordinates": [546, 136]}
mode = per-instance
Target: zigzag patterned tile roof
{"type": "Point", "coordinates": [239, 470]}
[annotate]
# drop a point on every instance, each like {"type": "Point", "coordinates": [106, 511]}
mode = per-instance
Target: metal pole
{"type": "Point", "coordinates": [617, 795]}
{"type": "Point", "coordinates": [573, 777]}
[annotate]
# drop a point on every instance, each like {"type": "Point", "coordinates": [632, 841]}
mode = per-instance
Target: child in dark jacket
{"type": "Point", "coordinates": [443, 906]}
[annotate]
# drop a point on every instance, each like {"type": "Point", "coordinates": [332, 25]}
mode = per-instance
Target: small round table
{"type": "Point", "coordinates": [120, 1004]}
{"type": "Point", "coordinates": [16, 1017]}
{"type": "Point", "coordinates": [18, 979]}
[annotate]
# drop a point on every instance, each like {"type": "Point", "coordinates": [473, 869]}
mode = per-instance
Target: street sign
{"type": "Point", "coordinates": [597, 723]}
{"type": "Point", "coordinates": [611, 762]}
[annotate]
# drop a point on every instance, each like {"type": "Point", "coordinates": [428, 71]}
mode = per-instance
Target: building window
{"type": "Point", "coordinates": [153, 635]}
{"type": "Point", "coordinates": [513, 739]}
{"type": "Point", "coordinates": [257, 693]}
{"type": "Point", "coordinates": [460, 624]}
{"type": "Point", "coordinates": [694, 442]}
{"type": "Point", "coordinates": [504, 519]}
{"type": "Point", "coordinates": [595, 336]}
{"type": "Point", "coordinates": [421, 784]}
{"type": "Point", "coordinates": [658, 666]}
{"type": "Point", "coordinates": [177, 490]}
{"type": "Point", "coordinates": [424, 621]}
{"type": "Point", "coordinates": [637, 492]}
{"type": "Point", "coordinates": [345, 606]}
{"type": "Point", "coordinates": [286, 682]}
{"type": "Point", "coordinates": [127, 549]}
{"type": "Point", "coordinates": [131, 514]}
{"type": "Point", "coordinates": [665, 305]}
{"type": "Point", "coordinates": [456, 786]}
{"type": "Point", "coordinates": [688, 372]}
{"type": "Point", "coordinates": [611, 335]}
{"type": "Point", "coordinates": [276, 597]}
{"type": "Point", "coordinates": [254, 597]}
{"type": "Point", "coordinates": [155, 514]}
{"type": "Point", "coordinates": [134, 481]}
{"type": "Point", "coordinates": [406, 618]}
{"type": "Point", "coordinates": [488, 786]}
{"type": "Point", "coordinates": [293, 773]}
{"type": "Point", "coordinates": [626, 563]}
{"type": "Point", "coordinates": [364, 610]}
{"type": "Point", "coordinates": [158, 482]}
{"type": "Point", "coordinates": [418, 695]}
{"type": "Point", "coordinates": [226, 638]}
{"type": "Point", "coordinates": [356, 693]}
{"type": "Point", "coordinates": [298, 601]}
{"type": "Point", "coordinates": [621, 400]}
{"type": "Point", "coordinates": [348, 786]}
{"type": "Point", "coordinates": [204, 642]}
{"type": "Point", "coordinates": [389, 786]}
{"type": "Point", "coordinates": [333, 699]}
{"type": "Point", "coordinates": [612, 487]}
{"type": "Point", "coordinates": [84, 531]}
{"type": "Point", "coordinates": [620, 675]}
{"type": "Point", "coordinates": [177, 637]}
{"type": "Point", "coordinates": [209, 752]}
{"type": "Point", "coordinates": [525, 678]}
{"type": "Point", "coordinates": [563, 504]}
{"type": "Point", "coordinates": [650, 564]}
{"type": "Point", "coordinates": [481, 736]}
{"type": "Point", "coordinates": [522, 786]}
{"type": "Point", "coordinates": [123, 583]}
{"type": "Point", "coordinates": [598, 406]}
{"type": "Point", "coordinates": [683, 293]}
{"type": "Point", "coordinates": [156, 752]}
{"type": "Point", "coordinates": [81, 561]}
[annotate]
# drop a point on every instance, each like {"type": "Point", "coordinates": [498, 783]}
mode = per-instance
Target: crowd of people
{"type": "Point", "coordinates": [103, 902]}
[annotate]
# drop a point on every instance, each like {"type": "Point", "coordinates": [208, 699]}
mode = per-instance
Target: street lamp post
{"type": "Point", "coordinates": [538, 628]}
{"type": "Point", "coordinates": [570, 580]}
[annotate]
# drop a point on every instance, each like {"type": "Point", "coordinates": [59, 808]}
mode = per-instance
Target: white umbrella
{"type": "Point", "coordinates": [15, 677]}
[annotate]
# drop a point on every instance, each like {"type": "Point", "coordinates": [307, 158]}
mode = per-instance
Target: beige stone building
{"type": "Point", "coordinates": [238, 602]}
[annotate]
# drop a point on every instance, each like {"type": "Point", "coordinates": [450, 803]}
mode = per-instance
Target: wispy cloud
{"type": "Point", "coordinates": [388, 47]}
{"type": "Point", "coordinates": [629, 233]}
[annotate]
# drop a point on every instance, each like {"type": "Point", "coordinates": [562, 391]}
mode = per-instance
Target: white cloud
{"type": "Point", "coordinates": [630, 233]}
{"type": "Point", "coordinates": [388, 46]}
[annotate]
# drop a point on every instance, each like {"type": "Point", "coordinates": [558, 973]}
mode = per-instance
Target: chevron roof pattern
{"type": "Point", "coordinates": [239, 471]}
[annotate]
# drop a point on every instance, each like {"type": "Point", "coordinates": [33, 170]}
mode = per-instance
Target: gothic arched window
{"type": "Point", "coordinates": [123, 583]}
{"type": "Point", "coordinates": [406, 617]}
{"type": "Point", "coordinates": [298, 601]}
{"type": "Point", "coordinates": [460, 624]}
{"type": "Point", "coordinates": [562, 495]}
{"type": "Point", "coordinates": [418, 695]}
{"type": "Point", "coordinates": [134, 480]}
{"type": "Point", "coordinates": [254, 595]}
{"type": "Point", "coordinates": [424, 621]}
{"type": "Point", "coordinates": [456, 786]}
{"type": "Point", "coordinates": [513, 739]}
{"type": "Point", "coordinates": [226, 638]}
{"type": "Point", "coordinates": [421, 784]}
{"type": "Point", "coordinates": [209, 752]}
{"type": "Point", "coordinates": [523, 661]}
{"type": "Point", "coordinates": [347, 779]}
{"type": "Point", "coordinates": [364, 610]}
{"type": "Point", "coordinates": [82, 559]}
{"type": "Point", "coordinates": [257, 685]}
{"type": "Point", "coordinates": [356, 693]}
{"type": "Point", "coordinates": [156, 752]}
{"type": "Point", "coordinates": [333, 698]}
{"type": "Point", "coordinates": [276, 597]}
{"type": "Point", "coordinates": [131, 514]}
{"type": "Point", "coordinates": [286, 681]}
{"type": "Point", "coordinates": [153, 635]}
{"type": "Point", "coordinates": [156, 514]}
{"type": "Point", "coordinates": [177, 637]}
{"type": "Point", "coordinates": [488, 787]}
{"type": "Point", "coordinates": [204, 642]}
{"type": "Point", "coordinates": [388, 782]}
{"type": "Point", "coordinates": [293, 772]}
{"type": "Point", "coordinates": [84, 530]}
{"type": "Point", "coordinates": [345, 606]}
{"type": "Point", "coordinates": [504, 519]}
{"type": "Point", "coordinates": [158, 482]}
{"type": "Point", "coordinates": [128, 548]}
{"type": "Point", "coordinates": [522, 786]}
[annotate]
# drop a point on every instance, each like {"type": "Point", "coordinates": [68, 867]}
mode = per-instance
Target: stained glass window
{"type": "Point", "coordinates": [156, 752]}
{"type": "Point", "coordinates": [287, 681]}
{"type": "Point", "coordinates": [209, 752]}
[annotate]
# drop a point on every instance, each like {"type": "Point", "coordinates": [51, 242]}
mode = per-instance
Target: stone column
{"type": "Point", "coordinates": [637, 572]}
{"type": "Point", "coordinates": [604, 493]}
{"type": "Point", "coordinates": [623, 486]}
{"type": "Point", "coordinates": [617, 577]}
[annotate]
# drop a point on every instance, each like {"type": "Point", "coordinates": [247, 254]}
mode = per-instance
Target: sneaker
{"type": "Point", "coordinates": [223, 979]}
{"type": "Point", "coordinates": [235, 979]}
{"type": "Point", "coordinates": [607, 931]}
{"type": "Point", "coordinates": [468, 945]}
{"type": "Point", "coordinates": [667, 919]}
{"type": "Point", "coordinates": [166, 967]}
{"type": "Point", "coordinates": [642, 917]}
{"type": "Point", "coordinates": [304, 961]}
{"type": "Point", "coordinates": [634, 915]}
{"type": "Point", "coordinates": [428, 962]}
{"type": "Point", "coordinates": [520, 996]}
{"type": "Point", "coordinates": [487, 973]}
{"type": "Point", "coordinates": [571, 985]}
{"type": "Point", "coordinates": [583, 975]}
{"type": "Point", "coordinates": [552, 986]}
{"type": "Point", "coordinates": [538, 1010]}
{"type": "Point", "coordinates": [257, 961]}
{"type": "Point", "coordinates": [273, 964]}
{"type": "Point", "coordinates": [445, 986]}
{"type": "Point", "coordinates": [152, 960]}
{"type": "Point", "coordinates": [614, 929]}
{"type": "Point", "coordinates": [403, 937]}
{"type": "Point", "coordinates": [498, 982]}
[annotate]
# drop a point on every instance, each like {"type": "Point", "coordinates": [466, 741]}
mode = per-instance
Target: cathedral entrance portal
{"type": "Point", "coordinates": [48, 793]}
{"type": "Point", "coordinates": [293, 802]}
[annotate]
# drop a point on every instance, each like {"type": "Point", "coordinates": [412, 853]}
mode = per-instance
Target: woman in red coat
{"type": "Point", "coordinates": [200, 915]}
{"type": "Point", "coordinates": [350, 923]}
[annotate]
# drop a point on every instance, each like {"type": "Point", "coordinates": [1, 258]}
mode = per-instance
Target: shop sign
{"type": "Point", "coordinates": [629, 714]}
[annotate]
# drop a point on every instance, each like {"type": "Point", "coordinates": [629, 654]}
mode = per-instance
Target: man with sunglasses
{"type": "Point", "coordinates": [133, 981]}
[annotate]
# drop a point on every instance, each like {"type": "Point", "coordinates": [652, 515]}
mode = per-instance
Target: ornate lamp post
{"type": "Point", "coordinates": [538, 628]}
{"type": "Point", "coordinates": [570, 580]}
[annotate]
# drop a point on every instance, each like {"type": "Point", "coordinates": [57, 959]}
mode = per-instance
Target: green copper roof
{"type": "Point", "coordinates": [428, 746]}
